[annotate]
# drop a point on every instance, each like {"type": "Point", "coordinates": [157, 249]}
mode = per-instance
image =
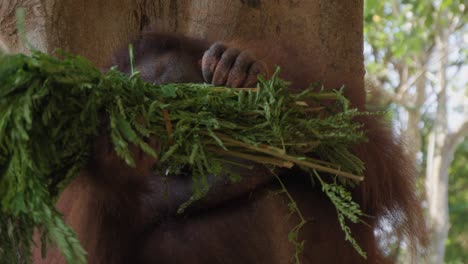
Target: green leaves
{"type": "Point", "coordinates": [41, 133]}
{"type": "Point", "coordinates": [346, 209]}
{"type": "Point", "coordinates": [52, 109]}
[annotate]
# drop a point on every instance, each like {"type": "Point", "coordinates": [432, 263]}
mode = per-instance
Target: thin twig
{"type": "Point", "coordinates": [259, 159]}
{"type": "Point", "coordinates": [267, 150]}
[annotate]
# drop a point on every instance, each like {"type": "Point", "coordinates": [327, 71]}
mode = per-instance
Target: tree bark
{"type": "Point", "coordinates": [413, 131]}
{"type": "Point", "coordinates": [322, 38]}
{"type": "Point", "coordinates": [439, 157]}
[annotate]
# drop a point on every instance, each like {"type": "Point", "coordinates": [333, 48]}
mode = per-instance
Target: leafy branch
{"type": "Point", "coordinates": [50, 112]}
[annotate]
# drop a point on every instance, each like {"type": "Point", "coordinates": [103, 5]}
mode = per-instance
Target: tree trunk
{"type": "Point", "coordinates": [437, 195]}
{"type": "Point", "coordinates": [412, 132]}
{"type": "Point", "coordinates": [439, 157]}
{"type": "Point", "coordinates": [322, 38]}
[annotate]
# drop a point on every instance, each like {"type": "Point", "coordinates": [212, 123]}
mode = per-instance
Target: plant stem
{"type": "Point", "coordinates": [267, 150]}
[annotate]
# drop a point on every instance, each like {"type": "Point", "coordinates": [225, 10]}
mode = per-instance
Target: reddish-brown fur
{"type": "Point", "coordinates": [120, 215]}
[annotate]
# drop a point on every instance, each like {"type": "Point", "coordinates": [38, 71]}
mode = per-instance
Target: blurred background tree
{"type": "Point", "coordinates": [457, 242]}
{"type": "Point", "coordinates": [416, 54]}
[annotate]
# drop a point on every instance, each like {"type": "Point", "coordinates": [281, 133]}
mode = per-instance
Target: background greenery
{"type": "Point", "coordinates": [457, 241]}
{"type": "Point", "coordinates": [416, 61]}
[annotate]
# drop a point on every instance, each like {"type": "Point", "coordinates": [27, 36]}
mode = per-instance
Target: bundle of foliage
{"type": "Point", "coordinates": [49, 115]}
